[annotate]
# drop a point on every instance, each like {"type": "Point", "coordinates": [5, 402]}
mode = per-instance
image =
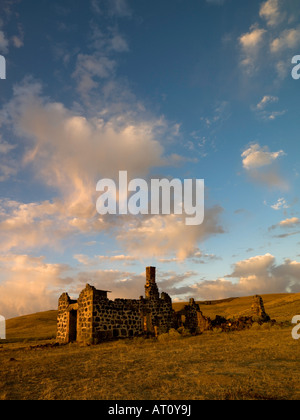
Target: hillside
{"type": "Point", "coordinates": [39, 326]}
{"type": "Point", "coordinates": [42, 325]}
{"type": "Point", "coordinates": [261, 363]}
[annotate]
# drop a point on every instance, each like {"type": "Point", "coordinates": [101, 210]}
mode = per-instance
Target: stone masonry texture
{"type": "Point", "coordinates": [94, 318]}
{"type": "Point", "coordinates": [100, 319]}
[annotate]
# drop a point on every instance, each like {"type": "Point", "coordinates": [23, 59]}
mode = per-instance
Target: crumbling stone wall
{"type": "Point", "coordinates": [100, 319]}
{"type": "Point", "coordinates": [94, 318]}
{"type": "Point", "coordinates": [191, 318]}
{"type": "Point", "coordinates": [128, 318]}
{"type": "Point", "coordinates": [258, 310]}
{"type": "Point", "coordinates": [203, 323]}
{"type": "Point", "coordinates": [258, 315]}
{"type": "Point", "coordinates": [64, 319]}
{"type": "Point", "coordinates": [85, 314]}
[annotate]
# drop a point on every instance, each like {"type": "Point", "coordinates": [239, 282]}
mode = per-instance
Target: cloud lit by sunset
{"type": "Point", "coordinates": [157, 89]}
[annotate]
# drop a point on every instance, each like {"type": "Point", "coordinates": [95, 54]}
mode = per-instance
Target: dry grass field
{"type": "Point", "coordinates": [261, 363]}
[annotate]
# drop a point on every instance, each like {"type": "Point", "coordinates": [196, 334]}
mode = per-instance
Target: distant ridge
{"type": "Point", "coordinates": [215, 302]}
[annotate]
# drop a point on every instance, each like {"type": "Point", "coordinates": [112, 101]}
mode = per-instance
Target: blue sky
{"type": "Point", "coordinates": [184, 89]}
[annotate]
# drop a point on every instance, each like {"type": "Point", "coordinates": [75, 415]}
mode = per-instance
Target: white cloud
{"type": "Point", "coordinates": [89, 67]}
{"type": "Point", "coordinates": [256, 275]}
{"type": "Point", "coordinates": [86, 260]}
{"type": "Point", "coordinates": [272, 115]}
{"type": "Point", "coordinates": [267, 44]}
{"type": "Point", "coordinates": [66, 148]}
{"type": "Point", "coordinates": [29, 226]}
{"type": "Point", "coordinates": [17, 41]}
{"type": "Point", "coordinates": [288, 39]}
{"type": "Point", "coordinates": [270, 11]}
{"type": "Point", "coordinates": [293, 221]}
{"type": "Point", "coordinates": [281, 204]}
{"type": "Point", "coordinates": [255, 265]}
{"type": "Point", "coordinates": [160, 236]}
{"type": "Point", "coordinates": [118, 258]}
{"type": "Point", "coordinates": [267, 99]}
{"type": "Point", "coordinates": [266, 114]}
{"type": "Point", "coordinates": [195, 257]}
{"type": "Point", "coordinates": [256, 156]}
{"type": "Point", "coordinates": [29, 284]}
{"type": "Point", "coordinates": [287, 225]}
{"type": "Point", "coordinates": [251, 40]}
{"type": "Point", "coordinates": [122, 284]}
{"type": "Point", "coordinates": [251, 44]}
{"type": "Point", "coordinates": [221, 113]}
{"type": "Point", "coordinates": [96, 67]}
{"type": "Point", "coordinates": [65, 151]}
{"type": "Point", "coordinates": [261, 166]}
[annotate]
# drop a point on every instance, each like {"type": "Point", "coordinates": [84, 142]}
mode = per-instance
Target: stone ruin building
{"type": "Point", "coordinates": [94, 318]}
{"type": "Point", "coordinates": [191, 318]}
{"type": "Point", "coordinates": [257, 315]}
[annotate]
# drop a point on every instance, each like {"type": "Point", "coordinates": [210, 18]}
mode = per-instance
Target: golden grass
{"type": "Point", "coordinates": [253, 364]}
{"type": "Point", "coordinates": [260, 363]}
{"type": "Point", "coordinates": [39, 326]}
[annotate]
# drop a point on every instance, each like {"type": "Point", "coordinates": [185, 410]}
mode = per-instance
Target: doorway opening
{"type": "Point", "coordinates": [72, 325]}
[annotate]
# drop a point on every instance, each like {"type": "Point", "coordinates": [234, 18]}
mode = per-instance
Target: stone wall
{"type": "Point", "coordinates": [116, 319]}
{"type": "Point", "coordinates": [258, 309]}
{"type": "Point", "coordinates": [162, 313]}
{"type": "Point", "coordinates": [94, 318]}
{"type": "Point", "coordinates": [85, 314]}
{"type": "Point", "coordinates": [100, 319]}
{"type": "Point", "coordinates": [191, 318]}
{"type": "Point", "coordinates": [64, 318]}
{"type": "Point", "coordinates": [103, 319]}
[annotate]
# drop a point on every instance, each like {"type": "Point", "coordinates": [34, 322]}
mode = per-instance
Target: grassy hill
{"type": "Point", "coordinates": [261, 363]}
{"type": "Point", "coordinates": [42, 325]}
{"type": "Point", "coordinates": [39, 326]}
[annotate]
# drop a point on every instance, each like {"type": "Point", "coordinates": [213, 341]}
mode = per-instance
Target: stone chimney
{"type": "Point", "coordinates": [151, 289]}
